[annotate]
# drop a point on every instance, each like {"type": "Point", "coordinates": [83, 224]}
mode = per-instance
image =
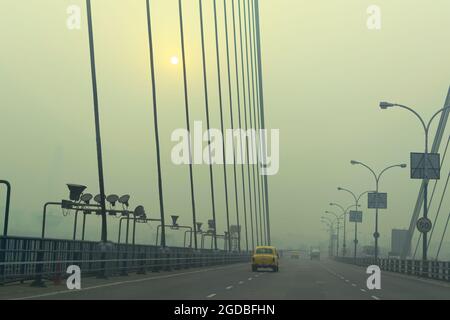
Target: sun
{"type": "Point", "coordinates": [174, 60]}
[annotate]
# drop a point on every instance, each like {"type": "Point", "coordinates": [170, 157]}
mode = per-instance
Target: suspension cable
{"type": "Point", "coordinates": [186, 105]}
{"type": "Point", "coordinates": [251, 93]}
{"type": "Point", "coordinates": [245, 123]}
{"type": "Point", "coordinates": [156, 127]}
{"type": "Point", "coordinates": [205, 85]}
{"type": "Point", "coordinates": [240, 122]}
{"type": "Point", "coordinates": [222, 123]}
{"type": "Point", "coordinates": [232, 121]}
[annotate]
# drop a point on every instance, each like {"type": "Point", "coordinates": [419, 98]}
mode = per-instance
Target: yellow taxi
{"type": "Point", "coordinates": [265, 257]}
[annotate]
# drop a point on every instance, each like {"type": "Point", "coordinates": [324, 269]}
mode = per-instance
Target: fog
{"type": "Point", "coordinates": [324, 74]}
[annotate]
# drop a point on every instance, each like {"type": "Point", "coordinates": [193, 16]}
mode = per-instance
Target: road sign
{"type": "Point", "coordinates": [424, 225]}
{"type": "Point", "coordinates": [432, 161]}
{"type": "Point", "coordinates": [377, 200]}
{"type": "Point", "coordinates": [355, 216]}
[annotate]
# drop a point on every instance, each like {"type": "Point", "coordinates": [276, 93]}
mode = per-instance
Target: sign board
{"type": "Point", "coordinates": [424, 225]}
{"type": "Point", "coordinates": [421, 160]}
{"type": "Point", "coordinates": [355, 216]}
{"type": "Point", "coordinates": [377, 200]}
{"type": "Point", "coordinates": [398, 240]}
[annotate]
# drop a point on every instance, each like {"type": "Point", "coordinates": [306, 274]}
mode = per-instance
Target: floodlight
{"type": "Point", "coordinates": [75, 191]}
{"type": "Point", "coordinates": [86, 198]}
{"type": "Point", "coordinates": [174, 220]}
{"type": "Point", "coordinates": [97, 198]}
{"type": "Point", "coordinates": [199, 226]}
{"type": "Point", "coordinates": [125, 200]}
{"type": "Point", "coordinates": [139, 211]}
{"type": "Point", "coordinates": [112, 199]}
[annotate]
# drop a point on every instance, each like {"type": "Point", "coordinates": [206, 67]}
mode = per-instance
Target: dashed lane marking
{"type": "Point", "coordinates": [211, 295]}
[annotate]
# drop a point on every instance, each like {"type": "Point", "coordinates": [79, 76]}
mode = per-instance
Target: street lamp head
{"type": "Point", "coordinates": [339, 188]}
{"type": "Point", "coordinates": [403, 165]}
{"type": "Point", "coordinates": [384, 105]}
{"type": "Point", "coordinates": [354, 162]}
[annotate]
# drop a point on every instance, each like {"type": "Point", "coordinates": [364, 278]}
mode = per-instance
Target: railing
{"type": "Point", "coordinates": [437, 270]}
{"type": "Point", "coordinates": [39, 259]}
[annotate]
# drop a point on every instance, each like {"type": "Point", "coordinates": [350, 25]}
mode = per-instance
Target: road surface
{"type": "Point", "coordinates": [297, 280]}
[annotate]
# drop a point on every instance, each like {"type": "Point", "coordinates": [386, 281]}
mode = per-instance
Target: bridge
{"type": "Point", "coordinates": [205, 254]}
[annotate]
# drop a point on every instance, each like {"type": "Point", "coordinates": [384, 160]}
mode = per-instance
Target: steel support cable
{"type": "Point", "coordinates": [208, 123]}
{"type": "Point", "coordinates": [155, 122]}
{"type": "Point", "coordinates": [101, 182]}
{"type": "Point", "coordinates": [263, 219]}
{"type": "Point", "coordinates": [262, 116]}
{"type": "Point", "coordinates": [232, 121]}
{"type": "Point", "coordinates": [240, 122]}
{"type": "Point", "coordinates": [255, 98]}
{"type": "Point", "coordinates": [443, 236]}
{"type": "Point", "coordinates": [222, 122]}
{"type": "Point", "coordinates": [439, 209]}
{"type": "Point", "coordinates": [429, 204]}
{"type": "Point", "coordinates": [251, 105]}
{"type": "Point", "coordinates": [246, 127]}
{"type": "Point", "coordinates": [186, 105]}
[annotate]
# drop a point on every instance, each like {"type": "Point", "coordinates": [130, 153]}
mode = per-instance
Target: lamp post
{"type": "Point", "coordinates": [426, 126]}
{"type": "Point", "coordinates": [344, 212]}
{"type": "Point", "coordinates": [377, 177]}
{"type": "Point", "coordinates": [330, 230]}
{"type": "Point", "coordinates": [357, 198]}
{"type": "Point", "coordinates": [337, 220]}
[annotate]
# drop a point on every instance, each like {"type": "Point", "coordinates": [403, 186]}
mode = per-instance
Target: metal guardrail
{"type": "Point", "coordinates": [438, 270]}
{"type": "Point", "coordinates": [38, 259]}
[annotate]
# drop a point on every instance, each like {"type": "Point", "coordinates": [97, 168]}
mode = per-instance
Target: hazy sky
{"type": "Point", "coordinates": [324, 74]}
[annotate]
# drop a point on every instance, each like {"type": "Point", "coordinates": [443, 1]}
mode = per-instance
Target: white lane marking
{"type": "Point", "coordinates": [241, 282]}
{"type": "Point", "coordinates": [249, 279]}
{"type": "Point", "coordinates": [229, 287]}
{"type": "Point", "coordinates": [362, 290]}
{"type": "Point", "coordinates": [211, 295]}
{"type": "Point", "coordinates": [256, 276]}
{"type": "Point", "coordinates": [122, 282]}
{"type": "Point", "coordinates": [347, 280]}
{"type": "Point", "coordinates": [376, 298]}
{"type": "Point", "coordinates": [353, 285]}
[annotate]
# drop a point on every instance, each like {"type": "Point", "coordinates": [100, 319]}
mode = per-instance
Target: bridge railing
{"type": "Point", "coordinates": [23, 258]}
{"type": "Point", "coordinates": [438, 270]}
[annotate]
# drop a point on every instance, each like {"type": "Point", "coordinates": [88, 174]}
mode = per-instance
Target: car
{"type": "Point", "coordinates": [265, 257]}
{"type": "Point", "coordinates": [295, 255]}
{"type": "Point", "coordinates": [315, 254]}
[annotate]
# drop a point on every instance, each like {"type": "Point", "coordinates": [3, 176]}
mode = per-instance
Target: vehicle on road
{"type": "Point", "coordinates": [295, 255]}
{"type": "Point", "coordinates": [265, 257]}
{"type": "Point", "coordinates": [315, 254]}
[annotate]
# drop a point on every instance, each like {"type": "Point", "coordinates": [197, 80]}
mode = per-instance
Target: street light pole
{"type": "Point", "coordinates": [357, 198]}
{"type": "Point", "coordinates": [344, 212]}
{"type": "Point", "coordinates": [331, 223]}
{"type": "Point", "coordinates": [338, 221]}
{"type": "Point", "coordinates": [426, 127]}
{"type": "Point", "coordinates": [376, 234]}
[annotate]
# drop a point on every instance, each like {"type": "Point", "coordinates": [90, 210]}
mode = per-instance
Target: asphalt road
{"type": "Point", "coordinates": [297, 280]}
